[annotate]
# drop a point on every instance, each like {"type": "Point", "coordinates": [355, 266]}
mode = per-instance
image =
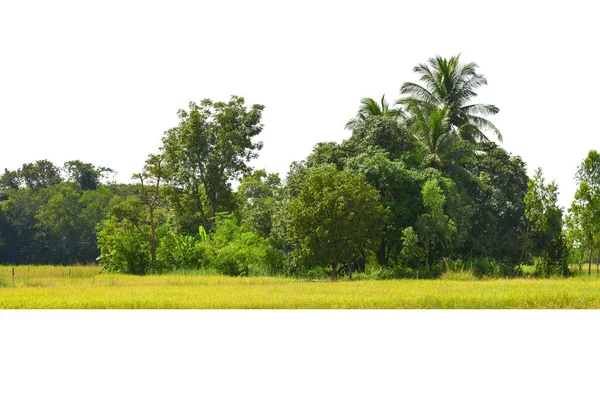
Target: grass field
{"type": "Point", "coordinates": [52, 287]}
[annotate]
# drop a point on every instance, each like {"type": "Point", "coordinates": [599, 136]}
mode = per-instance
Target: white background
{"type": "Point", "coordinates": [101, 81]}
{"type": "Point", "coordinates": [298, 355]}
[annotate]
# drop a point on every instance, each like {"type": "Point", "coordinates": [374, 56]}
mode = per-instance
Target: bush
{"type": "Point", "coordinates": [184, 252]}
{"type": "Point", "coordinates": [123, 249]}
{"type": "Point", "coordinates": [239, 252]}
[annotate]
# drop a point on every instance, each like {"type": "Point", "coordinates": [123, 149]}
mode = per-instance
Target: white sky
{"type": "Point", "coordinates": [102, 81]}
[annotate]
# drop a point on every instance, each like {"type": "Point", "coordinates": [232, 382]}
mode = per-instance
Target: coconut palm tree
{"type": "Point", "coordinates": [441, 145]}
{"type": "Point", "coordinates": [370, 108]}
{"type": "Point", "coordinates": [451, 85]}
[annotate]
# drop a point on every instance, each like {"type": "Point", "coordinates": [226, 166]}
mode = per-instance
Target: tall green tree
{"type": "Point", "coordinates": [498, 204]}
{"type": "Point", "coordinates": [259, 194]}
{"type": "Point", "coordinates": [585, 209]}
{"type": "Point", "coordinates": [545, 225]}
{"type": "Point", "coordinates": [449, 84]}
{"type": "Point", "coordinates": [400, 190]}
{"type": "Point", "coordinates": [86, 175]}
{"type": "Point", "coordinates": [40, 174]}
{"type": "Point", "coordinates": [210, 147]}
{"type": "Point", "coordinates": [154, 174]}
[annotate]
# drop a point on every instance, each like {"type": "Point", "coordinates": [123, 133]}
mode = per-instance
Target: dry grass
{"type": "Point", "coordinates": [51, 287]}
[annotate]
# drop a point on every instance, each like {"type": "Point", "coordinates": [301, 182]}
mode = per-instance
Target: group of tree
{"type": "Point", "coordinates": [419, 187]}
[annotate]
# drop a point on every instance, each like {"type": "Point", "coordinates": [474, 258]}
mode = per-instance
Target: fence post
{"type": "Point", "coordinates": [69, 272]}
{"type": "Point", "coordinates": [13, 275]}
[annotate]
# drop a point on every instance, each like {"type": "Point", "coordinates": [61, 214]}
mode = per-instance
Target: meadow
{"type": "Point", "coordinates": [47, 287]}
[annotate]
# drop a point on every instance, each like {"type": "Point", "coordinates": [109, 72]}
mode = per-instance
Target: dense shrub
{"type": "Point", "coordinates": [184, 252]}
{"type": "Point", "coordinates": [123, 248]}
{"type": "Point", "coordinates": [239, 252]}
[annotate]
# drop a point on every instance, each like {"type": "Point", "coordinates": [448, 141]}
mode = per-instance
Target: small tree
{"type": "Point", "coordinates": [435, 227]}
{"type": "Point", "coordinates": [585, 210]}
{"type": "Point", "coordinates": [545, 225]}
{"type": "Point", "coordinates": [335, 216]}
{"type": "Point", "coordinates": [150, 194]}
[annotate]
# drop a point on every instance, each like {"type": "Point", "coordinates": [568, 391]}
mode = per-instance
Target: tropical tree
{"type": "Point", "coordinates": [378, 125]}
{"type": "Point", "coordinates": [441, 144]}
{"type": "Point", "coordinates": [369, 109]}
{"type": "Point", "coordinates": [448, 84]}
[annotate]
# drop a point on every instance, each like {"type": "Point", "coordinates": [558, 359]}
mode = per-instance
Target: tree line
{"type": "Point", "coordinates": [418, 188]}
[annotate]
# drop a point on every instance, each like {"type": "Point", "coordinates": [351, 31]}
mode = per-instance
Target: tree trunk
{"type": "Point", "coordinates": [590, 263]}
{"type": "Point", "coordinates": [524, 242]}
{"type": "Point", "coordinates": [334, 269]}
{"type": "Point", "coordinates": [427, 253]}
{"type": "Point", "coordinates": [381, 258]}
{"type": "Point", "coordinates": [152, 237]}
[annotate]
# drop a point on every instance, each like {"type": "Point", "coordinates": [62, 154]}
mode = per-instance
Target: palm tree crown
{"type": "Point", "coordinates": [370, 108]}
{"type": "Point", "coordinates": [450, 84]}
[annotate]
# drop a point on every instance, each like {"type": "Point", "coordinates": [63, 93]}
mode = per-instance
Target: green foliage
{"type": "Point", "coordinates": [240, 252]}
{"type": "Point", "coordinates": [545, 226]}
{"type": "Point", "coordinates": [335, 217]}
{"type": "Point", "coordinates": [41, 174]}
{"type": "Point", "coordinates": [435, 227]}
{"type": "Point", "coordinates": [123, 248]}
{"type": "Point", "coordinates": [499, 213]}
{"type": "Point", "coordinates": [178, 252]}
{"type": "Point", "coordinates": [400, 190]}
{"type": "Point", "coordinates": [258, 196]}
{"type": "Point", "coordinates": [584, 218]}
{"type": "Point", "coordinates": [450, 85]}
{"type": "Point", "coordinates": [411, 255]}
{"type": "Point", "coordinates": [86, 175]}
{"type": "Point", "coordinates": [212, 145]}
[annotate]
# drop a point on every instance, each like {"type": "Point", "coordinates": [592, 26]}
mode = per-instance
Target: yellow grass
{"type": "Point", "coordinates": [51, 287]}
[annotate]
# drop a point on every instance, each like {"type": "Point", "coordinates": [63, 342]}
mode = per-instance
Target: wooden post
{"type": "Point", "coordinates": [69, 272]}
{"type": "Point", "coordinates": [13, 275]}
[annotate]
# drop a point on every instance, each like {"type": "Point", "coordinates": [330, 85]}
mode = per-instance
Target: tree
{"type": "Point", "coordinates": [544, 224]}
{"type": "Point", "coordinates": [85, 174]}
{"type": "Point", "coordinates": [41, 174]}
{"type": "Point", "coordinates": [10, 180]}
{"type": "Point", "coordinates": [400, 190]}
{"type": "Point", "coordinates": [258, 195]}
{"type": "Point", "coordinates": [370, 109]}
{"type": "Point", "coordinates": [585, 210]}
{"type": "Point", "coordinates": [441, 145]}
{"type": "Point", "coordinates": [435, 227]}
{"type": "Point", "coordinates": [335, 216]}
{"type": "Point", "coordinates": [210, 147]}
{"type": "Point", "coordinates": [150, 194]}
{"type": "Point", "coordinates": [378, 125]}
{"type": "Point", "coordinates": [498, 203]}
{"type": "Point", "coordinates": [450, 85]}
